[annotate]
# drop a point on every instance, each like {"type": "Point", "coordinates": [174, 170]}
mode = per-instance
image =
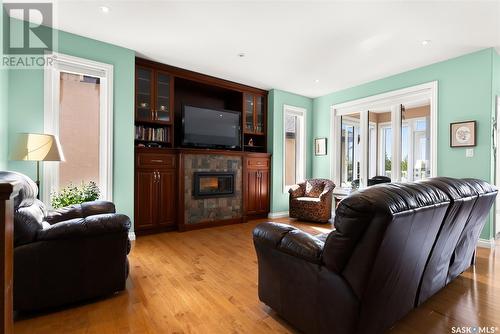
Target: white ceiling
{"type": "Point", "coordinates": [290, 45]}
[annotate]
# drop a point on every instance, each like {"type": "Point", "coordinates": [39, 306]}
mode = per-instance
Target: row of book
{"type": "Point", "coordinates": [151, 134]}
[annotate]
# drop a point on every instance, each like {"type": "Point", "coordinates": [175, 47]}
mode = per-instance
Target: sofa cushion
{"type": "Point", "coordinates": [314, 189]}
{"type": "Point", "coordinates": [307, 199]}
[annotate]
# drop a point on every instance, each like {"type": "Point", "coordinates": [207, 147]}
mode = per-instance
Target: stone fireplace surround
{"type": "Point", "coordinates": [205, 210]}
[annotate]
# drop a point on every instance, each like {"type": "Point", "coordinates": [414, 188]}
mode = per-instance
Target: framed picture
{"type": "Point", "coordinates": [320, 146]}
{"type": "Point", "coordinates": [463, 134]}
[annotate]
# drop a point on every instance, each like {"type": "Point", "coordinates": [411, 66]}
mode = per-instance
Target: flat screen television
{"type": "Point", "coordinates": [210, 128]}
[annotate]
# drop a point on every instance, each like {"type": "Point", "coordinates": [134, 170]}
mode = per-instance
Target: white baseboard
{"type": "Point", "coordinates": [131, 235]}
{"type": "Point", "coordinates": [485, 243]}
{"type": "Point", "coordinates": [279, 214]}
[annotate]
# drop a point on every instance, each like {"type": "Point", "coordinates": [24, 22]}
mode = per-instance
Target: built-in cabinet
{"type": "Point", "coordinates": [254, 122]}
{"type": "Point", "coordinates": [153, 108]}
{"type": "Point", "coordinates": [161, 91]}
{"type": "Point", "coordinates": [155, 191]}
{"type": "Point", "coordinates": [256, 185]}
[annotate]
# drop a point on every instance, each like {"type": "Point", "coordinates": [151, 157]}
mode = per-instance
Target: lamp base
{"type": "Point", "coordinates": [38, 186]}
{"type": "Point", "coordinates": [38, 179]}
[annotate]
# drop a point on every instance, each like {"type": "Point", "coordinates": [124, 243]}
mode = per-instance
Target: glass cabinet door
{"type": "Point", "coordinates": [162, 103]}
{"type": "Point", "coordinates": [248, 109]}
{"type": "Point", "coordinates": [144, 96]}
{"type": "Point", "coordinates": [259, 114]}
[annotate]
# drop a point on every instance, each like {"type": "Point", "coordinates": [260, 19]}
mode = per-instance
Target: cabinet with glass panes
{"type": "Point", "coordinates": [153, 107]}
{"type": "Point", "coordinates": [254, 127]}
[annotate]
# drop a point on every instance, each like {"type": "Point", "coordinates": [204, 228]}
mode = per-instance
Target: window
{"type": "Point", "coordinates": [78, 94]}
{"type": "Point", "coordinates": [350, 150]}
{"type": "Point", "coordinates": [294, 146]}
{"type": "Point", "coordinates": [393, 136]}
{"type": "Point", "coordinates": [79, 104]}
{"type": "Point", "coordinates": [415, 142]}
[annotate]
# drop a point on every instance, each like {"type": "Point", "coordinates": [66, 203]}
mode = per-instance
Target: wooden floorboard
{"type": "Point", "coordinates": [205, 281]}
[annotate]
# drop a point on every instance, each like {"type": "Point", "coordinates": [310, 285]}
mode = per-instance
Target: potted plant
{"type": "Point", "coordinates": [72, 194]}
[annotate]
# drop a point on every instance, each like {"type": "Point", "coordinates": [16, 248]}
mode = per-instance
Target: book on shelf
{"type": "Point", "coordinates": [146, 133]}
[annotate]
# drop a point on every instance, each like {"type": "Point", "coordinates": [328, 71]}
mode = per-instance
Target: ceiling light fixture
{"type": "Point", "coordinates": [241, 54]}
{"type": "Point", "coordinates": [426, 42]}
{"type": "Point", "coordinates": [104, 9]}
{"type": "Point", "coordinates": [316, 81]}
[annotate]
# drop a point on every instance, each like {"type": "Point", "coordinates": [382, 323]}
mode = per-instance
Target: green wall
{"type": "Point", "coordinates": [465, 89]}
{"type": "Point", "coordinates": [276, 100]}
{"type": "Point", "coordinates": [26, 103]}
{"type": "Point", "coordinates": [4, 98]}
{"type": "Point", "coordinates": [4, 77]}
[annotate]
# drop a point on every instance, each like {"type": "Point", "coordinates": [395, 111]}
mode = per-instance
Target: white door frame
{"type": "Point", "coordinates": [71, 64]}
{"type": "Point", "coordinates": [496, 130]}
{"type": "Point", "coordinates": [427, 91]}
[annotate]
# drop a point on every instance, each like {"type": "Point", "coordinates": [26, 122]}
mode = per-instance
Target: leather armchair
{"type": "Point", "coordinates": [394, 245]}
{"type": "Point", "coordinates": [65, 255]}
{"type": "Point", "coordinates": [311, 200]}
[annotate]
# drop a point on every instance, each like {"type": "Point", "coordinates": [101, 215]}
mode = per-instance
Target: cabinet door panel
{"type": "Point", "coordinates": [248, 110]}
{"type": "Point", "coordinates": [264, 191]}
{"type": "Point", "coordinates": [259, 114]}
{"type": "Point", "coordinates": [144, 94]}
{"type": "Point", "coordinates": [166, 198]}
{"type": "Point", "coordinates": [162, 98]}
{"type": "Point", "coordinates": [252, 203]}
{"type": "Point", "coordinates": [145, 199]}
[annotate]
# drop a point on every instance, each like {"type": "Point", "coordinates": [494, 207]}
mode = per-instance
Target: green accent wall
{"type": "Point", "coordinates": [276, 101]}
{"type": "Point", "coordinates": [4, 80]}
{"type": "Point", "coordinates": [26, 109]}
{"type": "Point", "coordinates": [465, 90]}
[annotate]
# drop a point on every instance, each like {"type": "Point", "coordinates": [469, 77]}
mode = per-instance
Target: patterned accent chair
{"type": "Point", "coordinates": [312, 200]}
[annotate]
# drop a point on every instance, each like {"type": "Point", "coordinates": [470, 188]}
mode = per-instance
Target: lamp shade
{"type": "Point", "coordinates": [37, 147]}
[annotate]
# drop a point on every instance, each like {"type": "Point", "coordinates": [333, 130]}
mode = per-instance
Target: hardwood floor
{"type": "Point", "coordinates": [205, 281]}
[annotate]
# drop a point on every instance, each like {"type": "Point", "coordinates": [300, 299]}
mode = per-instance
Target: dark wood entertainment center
{"type": "Point", "coordinates": [163, 196]}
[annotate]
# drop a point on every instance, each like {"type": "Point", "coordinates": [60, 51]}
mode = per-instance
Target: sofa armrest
{"type": "Point", "coordinates": [290, 240]}
{"type": "Point", "coordinates": [97, 208]}
{"type": "Point", "coordinates": [297, 190]}
{"type": "Point", "coordinates": [86, 227]}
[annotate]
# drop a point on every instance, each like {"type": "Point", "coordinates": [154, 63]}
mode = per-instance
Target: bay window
{"type": "Point", "coordinates": [387, 136]}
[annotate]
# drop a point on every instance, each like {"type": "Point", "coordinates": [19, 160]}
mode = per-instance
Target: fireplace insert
{"type": "Point", "coordinates": [213, 184]}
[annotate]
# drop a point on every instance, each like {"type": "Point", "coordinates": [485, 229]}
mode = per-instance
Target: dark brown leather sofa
{"type": "Point", "coordinates": [394, 246]}
{"type": "Point", "coordinates": [67, 255]}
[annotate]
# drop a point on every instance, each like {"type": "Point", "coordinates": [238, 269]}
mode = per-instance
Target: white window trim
{"type": "Point", "coordinates": [71, 64]}
{"type": "Point", "coordinates": [301, 112]}
{"type": "Point", "coordinates": [427, 91]}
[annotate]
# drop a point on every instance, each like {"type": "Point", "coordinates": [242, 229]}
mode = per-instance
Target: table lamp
{"type": "Point", "coordinates": [37, 147]}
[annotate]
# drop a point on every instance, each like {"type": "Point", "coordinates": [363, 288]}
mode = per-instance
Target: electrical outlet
{"type": "Point", "coordinates": [469, 152]}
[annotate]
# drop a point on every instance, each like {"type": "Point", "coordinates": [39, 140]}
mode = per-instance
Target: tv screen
{"type": "Point", "coordinates": [204, 127]}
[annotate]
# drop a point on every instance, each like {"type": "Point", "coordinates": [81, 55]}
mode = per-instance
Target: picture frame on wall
{"type": "Point", "coordinates": [463, 134]}
{"type": "Point", "coordinates": [320, 146]}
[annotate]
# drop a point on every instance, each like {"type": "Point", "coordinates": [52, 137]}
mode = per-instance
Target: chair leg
{"type": "Point", "coordinates": [473, 260]}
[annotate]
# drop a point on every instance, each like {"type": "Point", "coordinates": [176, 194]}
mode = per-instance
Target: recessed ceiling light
{"type": "Point", "coordinates": [104, 9]}
{"type": "Point", "coordinates": [316, 81]}
{"type": "Point", "coordinates": [241, 54]}
{"type": "Point", "coordinates": [426, 42]}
